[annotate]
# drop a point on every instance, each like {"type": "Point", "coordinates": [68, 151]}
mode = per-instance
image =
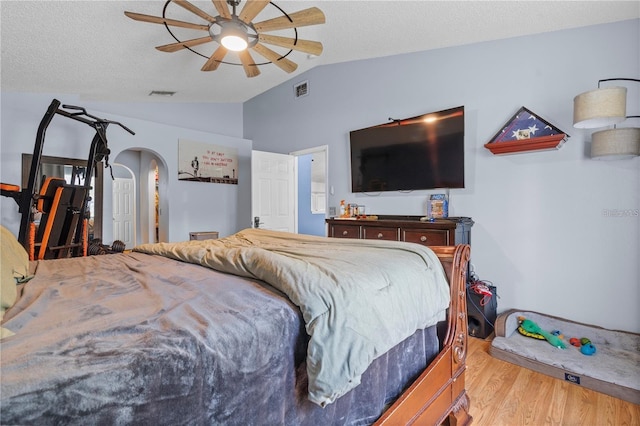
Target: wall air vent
{"type": "Point", "coordinates": [164, 93]}
{"type": "Point", "coordinates": [301, 89]}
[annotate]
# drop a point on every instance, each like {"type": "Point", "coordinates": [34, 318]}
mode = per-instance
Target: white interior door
{"type": "Point", "coordinates": [124, 211]}
{"type": "Point", "coordinates": [273, 191]}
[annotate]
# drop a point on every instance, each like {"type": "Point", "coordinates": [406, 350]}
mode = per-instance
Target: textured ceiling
{"type": "Point", "coordinates": [91, 49]}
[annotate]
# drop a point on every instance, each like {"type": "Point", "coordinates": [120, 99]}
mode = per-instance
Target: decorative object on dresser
{"type": "Point", "coordinates": [526, 131]}
{"type": "Point", "coordinates": [438, 206]}
{"type": "Point", "coordinates": [605, 107]}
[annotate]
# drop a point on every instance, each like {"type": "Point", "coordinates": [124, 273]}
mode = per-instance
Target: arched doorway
{"type": "Point", "coordinates": [151, 176]}
{"type": "Point", "coordinates": [124, 205]}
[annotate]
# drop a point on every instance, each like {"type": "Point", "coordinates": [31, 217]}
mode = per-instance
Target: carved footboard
{"type": "Point", "coordinates": [439, 392]}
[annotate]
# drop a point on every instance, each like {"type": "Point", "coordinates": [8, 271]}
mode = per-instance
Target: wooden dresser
{"type": "Point", "coordinates": [441, 232]}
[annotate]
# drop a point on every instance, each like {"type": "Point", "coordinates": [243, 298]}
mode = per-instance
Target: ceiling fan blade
{"type": "Point", "coordinates": [214, 61]}
{"type": "Point", "coordinates": [159, 20]}
{"type": "Point", "coordinates": [174, 47]}
{"type": "Point", "coordinates": [283, 63]}
{"type": "Point", "coordinates": [307, 46]}
{"type": "Point", "coordinates": [249, 65]}
{"type": "Point", "coordinates": [191, 8]}
{"type": "Point", "coordinates": [311, 16]}
{"type": "Point", "coordinates": [221, 7]}
{"type": "Point", "coordinates": [251, 9]}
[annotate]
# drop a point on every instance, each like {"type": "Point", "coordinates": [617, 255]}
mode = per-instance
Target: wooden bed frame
{"type": "Point", "coordinates": [438, 395]}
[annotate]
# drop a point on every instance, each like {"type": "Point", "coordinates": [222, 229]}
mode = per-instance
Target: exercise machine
{"type": "Point", "coordinates": [62, 230]}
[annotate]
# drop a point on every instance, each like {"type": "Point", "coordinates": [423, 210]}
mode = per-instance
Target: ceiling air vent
{"type": "Point", "coordinates": [301, 89]}
{"type": "Point", "coordinates": [164, 93]}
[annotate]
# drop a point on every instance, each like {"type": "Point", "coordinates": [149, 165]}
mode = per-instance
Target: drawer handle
{"type": "Point", "coordinates": [345, 232]}
{"type": "Point", "coordinates": [380, 235]}
{"type": "Point", "coordinates": [423, 238]}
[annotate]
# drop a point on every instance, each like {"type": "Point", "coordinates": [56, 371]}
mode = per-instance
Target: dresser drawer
{"type": "Point", "coordinates": [345, 231]}
{"type": "Point", "coordinates": [379, 233]}
{"type": "Point", "coordinates": [433, 237]}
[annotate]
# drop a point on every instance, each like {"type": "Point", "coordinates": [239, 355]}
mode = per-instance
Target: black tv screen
{"type": "Point", "coordinates": [423, 152]}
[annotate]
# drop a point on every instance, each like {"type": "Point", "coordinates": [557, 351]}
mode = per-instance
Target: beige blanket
{"type": "Point", "coordinates": [359, 298]}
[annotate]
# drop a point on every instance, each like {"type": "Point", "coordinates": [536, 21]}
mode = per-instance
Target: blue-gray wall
{"type": "Point", "coordinates": [541, 233]}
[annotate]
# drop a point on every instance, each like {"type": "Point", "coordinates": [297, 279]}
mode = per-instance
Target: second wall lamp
{"type": "Point", "coordinates": [605, 107]}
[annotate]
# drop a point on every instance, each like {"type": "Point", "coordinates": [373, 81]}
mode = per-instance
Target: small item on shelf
{"type": "Point", "coordinates": [351, 211]}
{"type": "Point", "coordinates": [438, 206]}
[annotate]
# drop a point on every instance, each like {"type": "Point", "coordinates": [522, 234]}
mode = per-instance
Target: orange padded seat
{"type": "Point", "coordinates": [9, 187]}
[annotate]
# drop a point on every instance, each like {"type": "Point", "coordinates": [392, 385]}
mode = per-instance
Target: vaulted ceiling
{"type": "Point", "coordinates": [92, 49]}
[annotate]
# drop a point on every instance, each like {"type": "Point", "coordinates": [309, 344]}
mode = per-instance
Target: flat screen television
{"type": "Point", "coordinates": [423, 152]}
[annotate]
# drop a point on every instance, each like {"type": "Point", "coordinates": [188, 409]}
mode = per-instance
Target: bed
{"type": "Point", "coordinates": [261, 327]}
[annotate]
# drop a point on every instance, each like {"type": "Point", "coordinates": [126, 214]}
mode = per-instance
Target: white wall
{"type": "Point", "coordinates": [540, 233]}
{"type": "Point", "coordinates": [193, 206]}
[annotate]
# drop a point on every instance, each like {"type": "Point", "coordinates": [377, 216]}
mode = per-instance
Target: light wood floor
{"type": "Point", "coordinates": [502, 393]}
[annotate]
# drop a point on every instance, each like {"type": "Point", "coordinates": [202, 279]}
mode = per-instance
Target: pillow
{"type": "Point", "coordinates": [14, 268]}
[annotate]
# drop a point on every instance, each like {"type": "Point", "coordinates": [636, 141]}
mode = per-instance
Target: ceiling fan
{"type": "Point", "coordinates": [237, 32]}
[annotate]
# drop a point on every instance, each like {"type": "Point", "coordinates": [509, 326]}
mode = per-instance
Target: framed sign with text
{"type": "Point", "coordinates": [202, 162]}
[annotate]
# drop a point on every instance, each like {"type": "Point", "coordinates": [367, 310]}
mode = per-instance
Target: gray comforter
{"type": "Point", "coordinates": [359, 298]}
{"type": "Point", "coordinates": [140, 339]}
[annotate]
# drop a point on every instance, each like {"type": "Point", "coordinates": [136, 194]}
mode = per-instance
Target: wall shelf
{"type": "Point", "coordinates": [526, 131]}
{"type": "Point", "coordinates": [524, 145]}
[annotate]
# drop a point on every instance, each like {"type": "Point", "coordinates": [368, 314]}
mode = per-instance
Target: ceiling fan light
{"type": "Point", "coordinates": [234, 36]}
{"type": "Point", "coordinates": [234, 43]}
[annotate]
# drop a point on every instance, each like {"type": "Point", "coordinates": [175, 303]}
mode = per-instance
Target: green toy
{"type": "Point", "coordinates": [524, 332]}
{"type": "Point", "coordinates": [532, 329]}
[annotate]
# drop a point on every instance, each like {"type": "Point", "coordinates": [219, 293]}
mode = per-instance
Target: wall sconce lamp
{"type": "Point", "coordinates": [607, 107]}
